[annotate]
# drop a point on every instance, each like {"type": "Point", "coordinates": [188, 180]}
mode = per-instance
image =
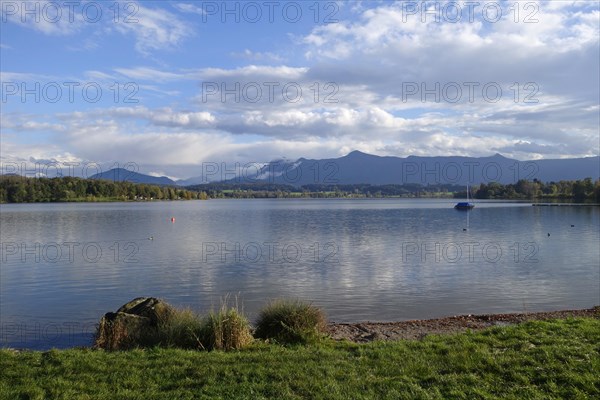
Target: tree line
{"type": "Point", "coordinates": [274, 190]}
{"type": "Point", "coordinates": [579, 190]}
{"type": "Point", "coordinates": [19, 189]}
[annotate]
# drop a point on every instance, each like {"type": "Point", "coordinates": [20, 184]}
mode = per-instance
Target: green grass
{"type": "Point", "coordinates": [537, 360]}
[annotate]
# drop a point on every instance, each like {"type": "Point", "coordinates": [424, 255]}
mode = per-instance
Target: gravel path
{"type": "Point", "coordinates": [418, 329]}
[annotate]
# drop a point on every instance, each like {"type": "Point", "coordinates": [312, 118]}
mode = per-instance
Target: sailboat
{"type": "Point", "coordinates": [465, 205]}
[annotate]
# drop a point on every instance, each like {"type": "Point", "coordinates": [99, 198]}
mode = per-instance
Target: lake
{"type": "Point", "coordinates": [65, 265]}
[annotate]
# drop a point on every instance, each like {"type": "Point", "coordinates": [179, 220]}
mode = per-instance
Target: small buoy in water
{"type": "Point", "coordinates": [172, 219]}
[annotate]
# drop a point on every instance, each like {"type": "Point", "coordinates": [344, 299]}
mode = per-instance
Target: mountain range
{"type": "Point", "coordinates": [125, 175]}
{"type": "Point", "coordinates": [358, 167]}
{"type": "Point", "coordinates": [361, 168]}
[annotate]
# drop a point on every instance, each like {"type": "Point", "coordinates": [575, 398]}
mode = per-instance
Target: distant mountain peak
{"type": "Point", "coordinates": [358, 153]}
{"type": "Point", "coordinates": [358, 167]}
{"type": "Point", "coordinates": [125, 175]}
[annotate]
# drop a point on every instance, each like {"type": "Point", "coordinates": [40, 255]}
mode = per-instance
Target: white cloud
{"type": "Point", "coordinates": [368, 59]}
{"type": "Point", "coordinates": [258, 56]}
{"type": "Point", "coordinates": [189, 8]}
{"type": "Point", "coordinates": [158, 117]}
{"type": "Point", "coordinates": [151, 74]}
{"type": "Point", "coordinates": [45, 16]}
{"type": "Point", "coordinates": [155, 29]}
{"type": "Point", "coordinates": [255, 72]}
{"type": "Point", "coordinates": [385, 39]}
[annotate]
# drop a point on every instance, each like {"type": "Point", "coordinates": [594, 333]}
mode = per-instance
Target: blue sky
{"type": "Point", "coordinates": [304, 79]}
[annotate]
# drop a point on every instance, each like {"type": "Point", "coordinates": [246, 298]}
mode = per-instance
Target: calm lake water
{"type": "Point", "coordinates": [65, 265]}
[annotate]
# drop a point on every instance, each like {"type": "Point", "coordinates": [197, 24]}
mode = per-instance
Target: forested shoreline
{"type": "Point", "coordinates": [18, 189]}
{"type": "Point", "coordinates": [576, 191]}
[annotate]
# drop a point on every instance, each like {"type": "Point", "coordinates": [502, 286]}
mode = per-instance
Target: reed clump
{"type": "Point", "coordinates": [290, 322]}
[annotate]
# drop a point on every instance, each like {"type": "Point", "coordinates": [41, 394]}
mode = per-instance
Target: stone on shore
{"type": "Point", "coordinates": [133, 325]}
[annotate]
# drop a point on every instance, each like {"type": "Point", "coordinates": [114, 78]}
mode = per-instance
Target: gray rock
{"type": "Point", "coordinates": [133, 325]}
{"type": "Point", "coordinates": [150, 307]}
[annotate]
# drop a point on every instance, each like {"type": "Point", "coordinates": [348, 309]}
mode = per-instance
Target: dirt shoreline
{"type": "Point", "coordinates": [362, 332]}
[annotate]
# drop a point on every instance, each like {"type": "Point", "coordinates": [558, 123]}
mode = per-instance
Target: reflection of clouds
{"type": "Point", "coordinates": [374, 279]}
{"type": "Point", "coordinates": [372, 276]}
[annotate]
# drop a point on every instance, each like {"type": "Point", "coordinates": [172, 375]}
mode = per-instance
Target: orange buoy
{"type": "Point", "coordinates": [173, 219]}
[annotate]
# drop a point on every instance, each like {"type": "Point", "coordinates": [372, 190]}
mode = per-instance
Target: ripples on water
{"type": "Point", "coordinates": [377, 260]}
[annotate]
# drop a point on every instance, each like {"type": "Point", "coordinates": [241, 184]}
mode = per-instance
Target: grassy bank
{"type": "Point", "coordinates": [554, 359]}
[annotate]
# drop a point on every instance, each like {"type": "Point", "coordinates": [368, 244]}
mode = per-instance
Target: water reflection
{"type": "Point", "coordinates": [359, 259]}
